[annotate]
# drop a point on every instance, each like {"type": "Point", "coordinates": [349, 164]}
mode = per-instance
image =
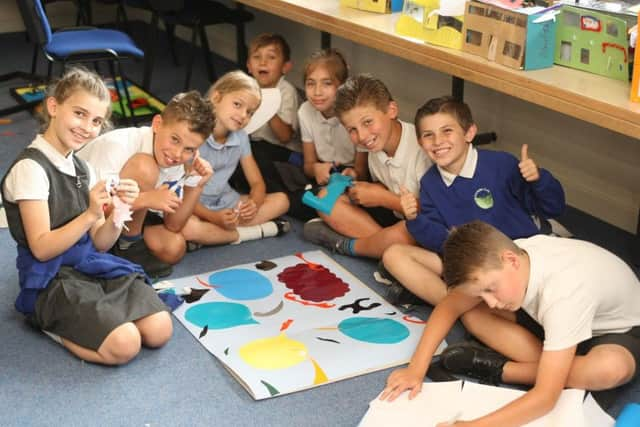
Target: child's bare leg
{"type": "Point", "coordinates": [206, 233]}
{"type": "Point", "coordinates": [374, 245]}
{"type": "Point", "coordinates": [350, 220]}
{"type": "Point", "coordinates": [168, 246]}
{"type": "Point", "coordinates": [499, 330]}
{"type": "Point", "coordinates": [605, 367]}
{"type": "Point", "coordinates": [119, 347]}
{"type": "Point", "coordinates": [275, 205]}
{"type": "Point", "coordinates": [155, 329]}
{"type": "Point", "coordinates": [417, 269]}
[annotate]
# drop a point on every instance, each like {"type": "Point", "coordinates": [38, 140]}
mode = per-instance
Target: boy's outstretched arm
{"type": "Point", "coordinates": [282, 130]}
{"type": "Point", "coordinates": [553, 371]}
{"type": "Point", "coordinates": [440, 322]}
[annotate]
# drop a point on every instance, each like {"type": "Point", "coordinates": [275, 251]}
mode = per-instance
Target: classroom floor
{"type": "Point", "coordinates": [182, 384]}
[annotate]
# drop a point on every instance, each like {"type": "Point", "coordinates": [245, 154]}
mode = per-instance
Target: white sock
{"type": "Point", "coordinates": [255, 232]}
{"type": "Point", "coordinates": [53, 336]}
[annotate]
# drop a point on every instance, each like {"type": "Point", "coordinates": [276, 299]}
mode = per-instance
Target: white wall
{"type": "Point", "coordinates": [599, 169]}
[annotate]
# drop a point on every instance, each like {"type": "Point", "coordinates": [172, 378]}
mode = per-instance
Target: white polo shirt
{"type": "Point", "coordinates": [109, 152]}
{"type": "Point", "coordinates": [405, 168]}
{"type": "Point", "coordinates": [331, 140]}
{"type": "Point", "coordinates": [578, 290]}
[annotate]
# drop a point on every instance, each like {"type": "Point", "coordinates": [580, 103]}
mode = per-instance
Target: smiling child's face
{"type": "Point", "coordinates": [174, 143]}
{"type": "Point", "coordinates": [370, 127]}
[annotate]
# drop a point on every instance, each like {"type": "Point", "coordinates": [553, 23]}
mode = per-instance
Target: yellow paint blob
{"type": "Point", "coordinates": [277, 352]}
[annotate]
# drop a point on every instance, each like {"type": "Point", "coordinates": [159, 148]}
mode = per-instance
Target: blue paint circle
{"type": "Point", "coordinates": [219, 315]}
{"type": "Point", "coordinates": [241, 284]}
{"type": "Point", "coordinates": [374, 330]}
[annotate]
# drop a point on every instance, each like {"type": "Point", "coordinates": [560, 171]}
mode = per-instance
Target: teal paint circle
{"type": "Point", "coordinates": [374, 330]}
{"type": "Point", "coordinates": [219, 315]}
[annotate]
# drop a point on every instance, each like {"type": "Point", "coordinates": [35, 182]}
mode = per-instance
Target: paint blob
{"type": "Point", "coordinates": [241, 284]}
{"type": "Point", "coordinates": [374, 330]}
{"type": "Point", "coordinates": [219, 315]}
{"type": "Point", "coordinates": [313, 284]}
{"type": "Point", "coordinates": [274, 352]}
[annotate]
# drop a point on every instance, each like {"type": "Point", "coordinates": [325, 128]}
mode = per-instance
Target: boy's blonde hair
{"type": "Point", "coordinates": [74, 79]}
{"type": "Point", "coordinates": [192, 108]}
{"type": "Point", "coordinates": [360, 90]}
{"type": "Point", "coordinates": [332, 59]}
{"type": "Point", "coordinates": [267, 39]}
{"type": "Point", "coordinates": [235, 81]}
{"type": "Point", "coordinates": [476, 246]}
{"type": "Point", "coordinates": [448, 105]}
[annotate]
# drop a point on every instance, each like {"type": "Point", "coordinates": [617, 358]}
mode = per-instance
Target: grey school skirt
{"type": "Point", "coordinates": [86, 309]}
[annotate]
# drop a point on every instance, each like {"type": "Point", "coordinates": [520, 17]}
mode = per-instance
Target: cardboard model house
{"type": "Point", "coordinates": [521, 38]}
{"type": "Point", "coordinates": [592, 41]}
{"type": "Point", "coordinates": [437, 22]}
{"type": "Point", "coordinates": [380, 6]}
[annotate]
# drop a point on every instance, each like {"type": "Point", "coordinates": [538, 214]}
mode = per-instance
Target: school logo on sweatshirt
{"type": "Point", "coordinates": [483, 198]}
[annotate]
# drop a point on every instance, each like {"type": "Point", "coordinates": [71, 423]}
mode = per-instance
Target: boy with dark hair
{"type": "Point", "coordinates": [367, 220]}
{"type": "Point", "coordinates": [269, 61]}
{"type": "Point", "coordinates": [578, 298]}
{"type": "Point", "coordinates": [163, 160]}
{"type": "Point", "coordinates": [465, 184]}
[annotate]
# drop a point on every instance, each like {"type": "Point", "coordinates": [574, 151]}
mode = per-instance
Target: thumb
{"type": "Point", "coordinates": [403, 190]}
{"type": "Point", "coordinates": [524, 152]}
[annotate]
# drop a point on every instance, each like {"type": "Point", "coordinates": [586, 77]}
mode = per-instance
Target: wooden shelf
{"type": "Point", "coordinates": [589, 97]}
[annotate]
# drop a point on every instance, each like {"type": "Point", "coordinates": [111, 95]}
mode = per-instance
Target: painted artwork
{"type": "Point", "coordinates": [293, 323]}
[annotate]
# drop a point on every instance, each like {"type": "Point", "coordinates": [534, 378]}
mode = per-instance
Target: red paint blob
{"type": "Point", "coordinates": [313, 284]}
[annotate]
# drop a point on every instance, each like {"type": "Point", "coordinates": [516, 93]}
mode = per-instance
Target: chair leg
{"type": "Point", "coordinates": [204, 44]}
{"type": "Point", "coordinates": [241, 46]}
{"type": "Point", "coordinates": [192, 54]}
{"type": "Point", "coordinates": [34, 59]}
{"type": "Point", "coordinates": [114, 75]}
{"type": "Point", "coordinates": [171, 39]}
{"type": "Point", "coordinates": [149, 52]}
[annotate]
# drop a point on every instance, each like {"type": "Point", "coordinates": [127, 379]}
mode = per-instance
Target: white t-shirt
{"type": "Point", "coordinates": [28, 180]}
{"type": "Point", "coordinates": [331, 140]}
{"type": "Point", "coordinates": [405, 168]}
{"type": "Point", "coordinates": [288, 112]}
{"type": "Point", "coordinates": [578, 290]}
{"type": "Point", "coordinates": [109, 152]}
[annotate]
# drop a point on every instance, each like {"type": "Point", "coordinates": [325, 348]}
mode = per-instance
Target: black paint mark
{"type": "Point", "coordinates": [195, 295]}
{"type": "Point", "coordinates": [266, 265]}
{"type": "Point", "coordinates": [204, 331]}
{"type": "Point", "coordinates": [392, 313]}
{"type": "Point", "coordinates": [327, 339]}
{"type": "Point", "coordinates": [357, 307]}
{"type": "Point", "coordinates": [226, 351]}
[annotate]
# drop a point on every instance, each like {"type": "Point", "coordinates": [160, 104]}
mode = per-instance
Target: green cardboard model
{"type": "Point", "coordinates": [593, 42]}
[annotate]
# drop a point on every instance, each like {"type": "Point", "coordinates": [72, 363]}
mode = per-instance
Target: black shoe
{"type": "Point", "coordinates": [283, 226]}
{"type": "Point", "coordinates": [399, 295]}
{"type": "Point", "coordinates": [474, 360]}
{"type": "Point", "coordinates": [139, 253]}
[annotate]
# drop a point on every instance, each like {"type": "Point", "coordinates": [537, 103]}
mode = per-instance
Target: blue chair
{"type": "Point", "coordinates": [80, 44]}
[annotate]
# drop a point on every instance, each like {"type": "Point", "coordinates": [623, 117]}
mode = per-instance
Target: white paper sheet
{"type": "Point", "coordinates": [269, 106]}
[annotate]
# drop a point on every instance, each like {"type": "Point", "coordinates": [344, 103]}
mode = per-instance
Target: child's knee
{"type": "Point", "coordinates": [393, 255]}
{"type": "Point", "coordinates": [143, 169]}
{"type": "Point", "coordinates": [121, 345]}
{"type": "Point", "coordinates": [157, 330]}
{"type": "Point", "coordinates": [282, 201]}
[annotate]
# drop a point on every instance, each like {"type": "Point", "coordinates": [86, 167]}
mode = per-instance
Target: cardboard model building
{"type": "Point", "coordinates": [593, 42]}
{"type": "Point", "coordinates": [437, 22]}
{"type": "Point", "coordinates": [520, 38]}
{"type": "Point", "coordinates": [380, 6]}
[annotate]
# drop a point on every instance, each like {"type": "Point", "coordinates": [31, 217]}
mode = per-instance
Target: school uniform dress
{"type": "Point", "coordinates": [81, 294]}
{"type": "Point", "coordinates": [489, 188]}
{"type": "Point", "coordinates": [217, 194]}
